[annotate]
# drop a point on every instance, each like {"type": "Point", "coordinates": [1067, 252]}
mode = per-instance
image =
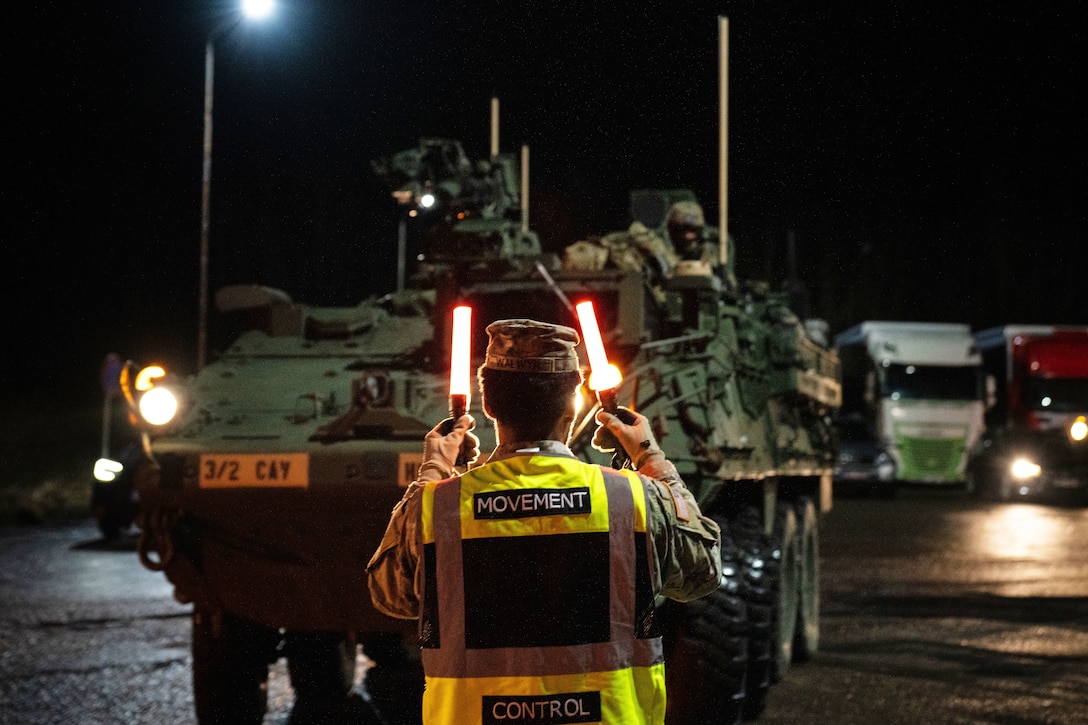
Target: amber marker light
{"type": "Point", "coordinates": [460, 361]}
{"type": "Point", "coordinates": [145, 379]}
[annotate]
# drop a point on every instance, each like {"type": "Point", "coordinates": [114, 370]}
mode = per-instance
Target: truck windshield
{"type": "Point", "coordinates": [1068, 395]}
{"type": "Point", "coordinates": [930, 382]}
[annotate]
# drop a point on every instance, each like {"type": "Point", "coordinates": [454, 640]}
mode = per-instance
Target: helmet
{"type": "Point", "coordinates": [685, 225]}
{"type": "Point", "coordinates": [686, 213]}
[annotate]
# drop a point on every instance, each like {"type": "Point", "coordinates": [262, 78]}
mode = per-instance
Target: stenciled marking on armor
{"type": "Point", "coordinates": [558, 709]}
{"type": "Point", "coordinates": [518, 503]}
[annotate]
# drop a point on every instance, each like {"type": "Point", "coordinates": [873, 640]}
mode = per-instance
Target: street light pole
{"type": "Point", "coordinates": [256, 10]}
{"type": "Point", "coordinates": [205, 202]}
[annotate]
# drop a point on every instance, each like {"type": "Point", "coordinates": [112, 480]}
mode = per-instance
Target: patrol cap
{"type": "Point", "coordinates": [528, 346]}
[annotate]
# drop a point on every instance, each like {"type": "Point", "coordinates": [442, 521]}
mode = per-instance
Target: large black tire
{"type": "Point", "coordinates": [394, 684]}
{"type": "Point", "coordinates": [706, 650]}
{"type": "Point", "coordinates": [230, 669]}
{"type": "Point", "coordinates": [787, 554]}
{"type": "Point", "coordinates": [760, 587]}
{"type": "Point", "coordinates": [807, 637]}
{"type": "Point", "coordinates": [322, 669]}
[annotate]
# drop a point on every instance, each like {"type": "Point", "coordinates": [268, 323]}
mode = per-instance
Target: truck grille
{"type": "Point", "coordinates": [928, 457]}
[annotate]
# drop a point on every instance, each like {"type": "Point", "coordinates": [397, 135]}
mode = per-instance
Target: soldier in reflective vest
{"type": "Point", "coordinates": [534, 574]}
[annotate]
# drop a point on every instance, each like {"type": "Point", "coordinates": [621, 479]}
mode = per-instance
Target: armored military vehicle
{"type": "Point", "coordinates": [265, 494]}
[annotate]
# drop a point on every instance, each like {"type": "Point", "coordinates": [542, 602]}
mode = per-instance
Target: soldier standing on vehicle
{"type": "Point", "coordinates": [534, 574]}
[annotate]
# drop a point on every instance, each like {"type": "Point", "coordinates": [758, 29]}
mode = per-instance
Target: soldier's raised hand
{"type": "Point", "coordinates": [635, 438]}
{"type": "Point", "coordinates": [444, 444]}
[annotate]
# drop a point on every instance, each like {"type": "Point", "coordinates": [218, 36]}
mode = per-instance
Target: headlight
{"type": "Point", "coordinates": [885, 467]}
{"type": "Point", "coordinates": [158, 406]}
{"type": "Point", "coordinates": [1078, 431]}
{"type": "Point", "coordinates": [1023, 468]}
{"type": "Point", "coordinates": [151, 394]}
{"type": "Point", "coordinates": [106, 469]}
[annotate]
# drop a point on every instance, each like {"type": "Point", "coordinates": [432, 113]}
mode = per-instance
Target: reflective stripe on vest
{"type": "Point", "coordinates": [537, 596]}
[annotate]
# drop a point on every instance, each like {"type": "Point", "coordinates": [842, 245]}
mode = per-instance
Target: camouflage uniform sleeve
{"type": "Point", "coordinates": [686, 544]}
{"type": "Point", "coordinates": [393, 568]}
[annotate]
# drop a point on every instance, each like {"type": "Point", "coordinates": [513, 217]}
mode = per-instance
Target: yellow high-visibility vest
{"type": "Point", "coordinates": [537, 597]}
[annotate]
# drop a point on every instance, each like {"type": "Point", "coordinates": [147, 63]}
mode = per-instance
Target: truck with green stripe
{"type": "Point", "coordinates": [920, 385]}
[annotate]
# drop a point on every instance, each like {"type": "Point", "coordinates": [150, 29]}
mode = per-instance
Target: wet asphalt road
{"type": "Point", "coordinates": [936, 609]}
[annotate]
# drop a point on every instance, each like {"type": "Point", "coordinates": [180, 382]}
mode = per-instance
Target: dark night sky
{"type": "Point", "coordinates": [927, 156]}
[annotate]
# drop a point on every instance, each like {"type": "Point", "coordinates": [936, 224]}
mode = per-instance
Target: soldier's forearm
{"type": "Point", "coordinates": [654, 464]}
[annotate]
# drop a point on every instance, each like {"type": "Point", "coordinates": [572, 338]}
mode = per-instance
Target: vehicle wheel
{"type": "Point", "coordinates": [113, 507]}
{"type": "Point", "coordinates": [113, 503]}
{"type": "Point", "coordinates": [787, 551]}
{"type": "Point", "coordinates": [1006, 489]}
{"type": "Point", "coordinates": [760, 584]}
{"type": "Point", "coordinates": [706, 650]}
{"type": "Point", "coordinates": [982, 483]}
{"type": "Point", "coordinates": [885, 490]}
{"type": "Point", "coordinates": [322, 669]}
{"type": "Point", "coordinates": [970, 482]}
{"type": "Point", "coordinates": [395, 682]}
{"type": "Point", "coordinates": [807, 638]}
{"type": "Point", "coordinates": [230, 669]}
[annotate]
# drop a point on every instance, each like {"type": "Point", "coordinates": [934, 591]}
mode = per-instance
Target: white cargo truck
{"type": "Point", "coordinates": [920, 385]}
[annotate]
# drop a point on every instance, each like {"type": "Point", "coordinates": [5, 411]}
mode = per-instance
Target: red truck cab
{"type": "Point", "coordinates": [1036, 438]}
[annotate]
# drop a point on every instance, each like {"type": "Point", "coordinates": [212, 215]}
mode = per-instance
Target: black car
{"type": "Point", "coordinates": [864, 464]}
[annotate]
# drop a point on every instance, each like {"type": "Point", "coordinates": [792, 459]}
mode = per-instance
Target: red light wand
{"type": "Point", "coordinates": [460, 361]}
{"type": "Point", "coordinates": [604, 377]}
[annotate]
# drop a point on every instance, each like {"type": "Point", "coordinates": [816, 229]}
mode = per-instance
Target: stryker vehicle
{"type": "Point", "coordinates": [264, 497]}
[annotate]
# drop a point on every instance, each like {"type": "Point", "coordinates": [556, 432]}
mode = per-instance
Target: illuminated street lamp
{"type": "Point", "coordinates": [253, 10]}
